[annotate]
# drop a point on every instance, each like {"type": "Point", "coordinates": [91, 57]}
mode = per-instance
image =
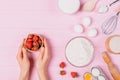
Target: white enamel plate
{"type": "Point", "coordinates": [79, 51]}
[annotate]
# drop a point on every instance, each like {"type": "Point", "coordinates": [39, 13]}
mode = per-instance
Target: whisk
{"type": "Point", "coordinates": [109, 25]}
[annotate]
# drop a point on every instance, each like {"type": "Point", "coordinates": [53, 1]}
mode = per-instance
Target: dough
{"type": "Point", "coordinates": [79, 51]}
{"type": "Point", "coordinates": [69, 6]}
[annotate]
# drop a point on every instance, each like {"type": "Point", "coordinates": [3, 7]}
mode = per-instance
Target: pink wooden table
{"type": "Point", "coordinates": [20, 17]}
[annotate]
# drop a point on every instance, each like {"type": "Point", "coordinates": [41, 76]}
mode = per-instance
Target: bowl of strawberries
{"type": "Point", "coordinates": [33, 42]}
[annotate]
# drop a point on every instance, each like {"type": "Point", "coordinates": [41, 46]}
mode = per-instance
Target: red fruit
{"type": "Point", "coordinates": [35, 43]}
{"type": "Point", "coordinates": [29, 44]}
{"type": "Point", "coordinates": [62, 65]}
{"type": "Point", "coordinates": [62, 72]}
{"type": "Point", "coordinates": [74, 74]}
{"type": "Point", "coordinates": [30, 36]}
{"type": "Point", "coordinates": [40, 41]}
{"type": "Point", "coordinates": [34, 48]}
{"type": "Point", "coordinates": [29, 39]}
{"type": "Point", "coordinates": [35, 38]}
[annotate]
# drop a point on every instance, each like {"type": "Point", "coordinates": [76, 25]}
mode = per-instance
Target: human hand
{"type": "Point", "coordinates": [42, 61]}
{"type": "Point", "coordinates": [24, 62]}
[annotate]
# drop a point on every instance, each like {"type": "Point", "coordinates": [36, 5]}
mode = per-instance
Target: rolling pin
{"type": "Point", "coordinates": [112, 68]}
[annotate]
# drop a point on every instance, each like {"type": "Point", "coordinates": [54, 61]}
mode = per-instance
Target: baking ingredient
{"type": "Point", "coordinates": [95, 74]}
{"type": "Point", "coordinates": [105, 8]}
{"type": "Point", "coordinates": [110, 25]}
{"type": "Point", "coordinates": [35, 38]}
{"type": "Point", "coordinates": [29, 39]}
{"type": "Point", "coordinates": [95, 71]}
{"type": "Point", "coordinates": [62, 65]}
{"type": "Point", "coordinates": [101, 77]}
{"type": "Point", "coordinates": [88, 76]}
{"type": "Point", "coordinates": [113, 44]}
{"type": "Point", "coordinates": [87, 21]}
{"type": "Point", "coordinates": [90, 5]}
{"type": "Point", "coordinates": [78, 28]}
{"type": "Point", "coordinates": [74, 74]}
{"type": "Point", "coordinates": [35, 48]}
{"type": "Point", "coordinates": [112, 68]}
{"type": "Point", "coordinates": [92, 32]}
{"type": "Point", "coordinates": [69, 6]}
{"type": "Point", "coordinates": [29, 44]}
{"type": "Point", "coordinates": [79, 51]}
{"type": "Point", "coordinates": [62, 72]}
{"type": "Point", "coordinates": [33, 42]}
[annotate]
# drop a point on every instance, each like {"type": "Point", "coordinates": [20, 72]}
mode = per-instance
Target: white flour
{"type": "Point", "coordinates": [115, 44]}
{"type": "Point", "coordinates": [79, 52]}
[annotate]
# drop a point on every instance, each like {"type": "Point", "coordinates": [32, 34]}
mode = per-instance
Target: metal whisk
{"type": "Point", "coordinates": [109, 25]}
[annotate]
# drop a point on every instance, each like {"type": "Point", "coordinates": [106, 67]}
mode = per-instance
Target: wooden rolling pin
{"type": "Point", "coordinates": [112, 68]}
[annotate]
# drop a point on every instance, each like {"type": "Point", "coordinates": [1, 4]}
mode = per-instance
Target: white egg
{"type": "Point", "coordinates": [69, 6]}
{"type": "Point", "coordinates": [95, 72]}
{"type": "Point", "coordinates": [87, 21]}
{"type": "Point", "coordinates": [78, 28]}
{"type": "Point", "coordinates": [92, 32]}
{"type": "Point", "coordinates": [79, 51]}
{"type": "Point", "coordinates": [101, 78]}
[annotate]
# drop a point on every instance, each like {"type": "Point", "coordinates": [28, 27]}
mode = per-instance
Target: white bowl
{"type": "Point", "coordinates": [69, 6]}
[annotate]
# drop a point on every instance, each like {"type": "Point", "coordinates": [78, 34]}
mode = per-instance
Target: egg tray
{"type": "Point", "coordinates": [96, 74]}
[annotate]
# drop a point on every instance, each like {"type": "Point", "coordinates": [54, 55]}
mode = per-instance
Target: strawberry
{"type": "Point", "coordinates": [30, 36]}
{"type": "Point", "coordinates": [62, 65]}
{"type": "Point", "coordinates": [62, 72]}
{"type": "Point", "coordinates": [35, 43]}
{"type": "Point", "coordinates": [74, 74]}
{"type": "Point", "coordinates": [40, 41]}
{"type": "Point", "coordinates": [29, 39]}
{"type": "Point", "coordinates": [34, 48]}
{"type": "Point", "coordinates": [29, 44]}
{"type": "Point", "coordinates": [35, 38]}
